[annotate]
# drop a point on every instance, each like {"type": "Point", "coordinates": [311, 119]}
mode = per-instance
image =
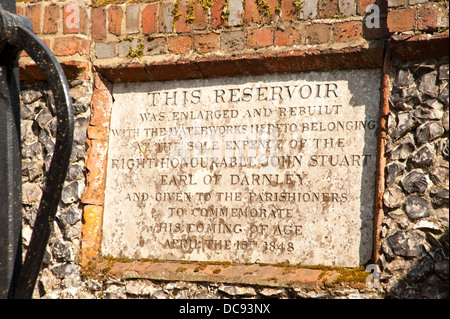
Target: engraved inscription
{"type": "Point", "coordinates": [249, 169]}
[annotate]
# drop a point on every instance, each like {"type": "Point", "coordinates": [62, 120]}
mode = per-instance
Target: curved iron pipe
{"type": "Point", "coordinates": [16, 31]}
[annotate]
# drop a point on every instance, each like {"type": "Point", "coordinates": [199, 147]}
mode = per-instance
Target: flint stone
{"type": "Point", "coordinates": [399, 217]}
{"type": "Point", "coordinates": [445, 121]}
{"type": "Point", "coordinates": [43, 117]}
{"type": "Point", "coordinates": [405, 123]}
{"type": "Point", "coordinates": [93, 285]}
{"type": "Point", "coordinates": [439, 172]}
{"type": "Point", "coordinates": [70, 193]}
{"type": "Point", "coordinates": [78, 153]}
{"type": "Point", "coordinates": [271, 293]}
{"type": "Point", "coordinates": [26, 113]}
{"type": "Point", "coordinates": [396, 97]}
{"type": "Point", "coordinates": [442, 268]}
{"type": "Point", "coordinates": [401, 290]}
{"type": "Point", "coordinates": [421, 69]}
{"type": "Point", "coordinates": [31, 193]}
{"type": "Point", "coordinates": [440, 197]}
{"type": "Point", "coordinates": [159, 294]}
{"type": "Point", "coordinates": [64, 270]}
{"type": "Point", "coordinates": [399, 267]}
{"type": "Point", "coordinates": [80, 107]}
{"type": "Point", "coordinates": [75, 171]}
{"type": "Point", "coordinates": [424, 112]}
{"type": "Point", "coordinates": [435, 288]}
{"type": "Point", "coordinates": [404, 149]}
{"type": "Point", "coordinates": [238, 291]}
{"type": "Point", "coordinates": [47, 141]}
{"type": "Point", "coordinates": [428, 132]}
{"type": "Point", "coordinates": [411, 97]}
{"type": "Point", "coordinates": [406, 244]}
{"type": "Point", "coordinates": [421, 271]}
{"type": "Point", "coordinates": [428, 84]}
{"type": "Point", "coordinates": [115, 292]}
{"type": "Point", "coordinates": [26, 132]}
{"type": "Point", "coordinates": [30, 96]}
{"type": "Point", "coordinates": [415, 182]}
{"type": "Point", "coordinates": [32, 169]}
{"type": "Point", "coordinates": [427, 225]}
{"type": "Point", "coordinates": [403, 79]}
{"type": "Point", "coordinates": [62, 250]}
{"type": "Point", "coordinates": [443, 72]}
{"type": "Point", "coordinates": [445, 149]}
{"type": "Point", "coordinates": [140, 288]}
{"type": "Point", "coordinates": [393, 197]}
{"type": "Point", "coordinates": [443, 95]}
{"type": "Point", "coordinates": [422, 157]}
{"type": "Point", "coordinates": [442, 216]}
{"type": "Point", "coordinates": [32, 150]}
{"type": "Point", "coordinates": [69, 217]}
{"type": "Point", "coordinates": [80, 129]}
{"type": "Point", "coordinates": [393, 170]}
{"type": "Point", "coordinates": [416, 207]}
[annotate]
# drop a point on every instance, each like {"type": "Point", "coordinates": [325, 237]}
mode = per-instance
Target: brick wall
{"type": "Point", "coordinates": [198, 38]}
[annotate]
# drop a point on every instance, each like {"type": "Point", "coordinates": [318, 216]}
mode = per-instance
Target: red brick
{"type": "Point", "coordinates": [290, 36]}
{"type": "Point", "coordinates": [97, 133]}
{"type": "Point", "coordinates": [115, 15]}
{"type": "Point", "coordinates": [95, 177]}
{"type": "Point", "coordinates": [149, 16]}
{"type": "Point", "coordinates": [173, 71]}
{"type": "Point", "coordinates": [34, 14]}
{"type": "Point", "coordinates": [252, 14]}
{"type": "Point", "coordinates": [318, 33]}
{"type": "Point", "coordinates": [180, 24]}
{"type": "Point", "coordinates": [131, 72]}
{"type": "Point", "coordinates": [165, 17]}
{"type": "Point", "coordinates": [327, 8]}
{"type": "Point", "coordinates": [216, 14]}
{"type": "Point", "coordinates": [206, 42]}
{"type": "Point", "coordinates": [51, 17]}
{"type": "Point", "coordinates": [101, 105]}
{"type": "Point", "coordinates": [74, 69]}
{"type": "Point", "coordinates": [75, 19]}
{"type": "Point", "coordinates": [132, 18]}
{"type": "Point", "coordinates": [288, 11]}
{"type": "Point", "coordinates": [201, 17]}
{"type": "Point", "coordinates": [401, 20]}
{"type": "Point", "coordinates": [91, 233]}
{"type": "Point", "coordinates": [65, 46]}
{"type": "Point", "coordinates": [218, 68]}
{"type": "Point", "coordinates": [347, 31]}
{"type": "Point", "coordinates": [179, 44]}
{"type": "Point", "coordinates": [427, 18]}
{"type": "Point", "coordinates": [376, 33]}
{"type": "Point", "coordinates": [363, 4]}
{"type": "Point", "coordinates": [98, 24]}
{"type": "Point", "coordinates": [259, 38]}
{"type": "Point", "coordinates": [20, 10]}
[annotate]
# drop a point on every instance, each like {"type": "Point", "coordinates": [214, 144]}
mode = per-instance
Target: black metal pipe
{"type": "Point", "coordinates": [16, 34]}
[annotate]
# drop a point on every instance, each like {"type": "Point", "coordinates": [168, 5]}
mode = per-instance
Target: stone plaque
{"type": "Point", "coordinates": [257, 169]}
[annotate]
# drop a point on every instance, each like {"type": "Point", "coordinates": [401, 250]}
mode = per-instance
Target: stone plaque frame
{"type": "Point", "coordinates": [365, 254]}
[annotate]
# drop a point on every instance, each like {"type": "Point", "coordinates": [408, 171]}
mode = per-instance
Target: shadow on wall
{"type": "Point", "coordinates": [415, 234]}
{"type": "Point", "coordinates": [427, 277]}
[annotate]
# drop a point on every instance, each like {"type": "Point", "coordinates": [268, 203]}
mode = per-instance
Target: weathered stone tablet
{"type": "Point", "coordinates": [258, 169]}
